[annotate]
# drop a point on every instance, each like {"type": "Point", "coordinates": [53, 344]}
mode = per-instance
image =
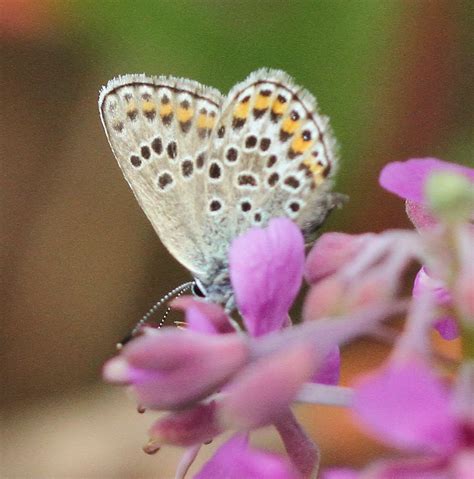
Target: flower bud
{"type": "Point", "coordinates": [450, 196]}
{"type": "Point", "coordinates": [172, 369]}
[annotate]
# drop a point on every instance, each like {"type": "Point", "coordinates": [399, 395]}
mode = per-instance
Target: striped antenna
{"type": "Point", "coordinates": [176, 292]}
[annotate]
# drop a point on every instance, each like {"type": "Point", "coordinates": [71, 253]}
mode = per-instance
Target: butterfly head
{"type": "Point", "coordinates": [216, 288]}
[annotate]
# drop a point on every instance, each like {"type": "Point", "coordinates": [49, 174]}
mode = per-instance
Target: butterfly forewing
{"type": "Point", "coordinates": [159, 130]}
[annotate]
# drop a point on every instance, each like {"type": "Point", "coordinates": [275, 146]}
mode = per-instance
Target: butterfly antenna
{"type": "Point", "coordinates": [168, 309]}
{"type": "Point", "coordinates": [176, 292]}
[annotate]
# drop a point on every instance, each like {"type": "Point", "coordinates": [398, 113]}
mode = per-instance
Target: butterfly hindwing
{"type": "Point", "coordinates": [278, 153]}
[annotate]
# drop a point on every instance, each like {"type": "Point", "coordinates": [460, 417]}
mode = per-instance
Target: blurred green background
{"type": "Point", "coordinates": [80, 262]}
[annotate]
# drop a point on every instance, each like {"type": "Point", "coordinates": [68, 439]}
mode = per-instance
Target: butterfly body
{"type": "Point", "coordinates": [205, 168]}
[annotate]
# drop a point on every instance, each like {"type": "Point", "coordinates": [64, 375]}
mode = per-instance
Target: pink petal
{"type": "Point", "coordinates": [407, 406]}
{"type": "Point", "coordinates": [342, 473]}
{"type": "Point", "coordinates": [423, 467]}
{"type": "Point", "coordinates": [463, 465]}
{"type": "Point", "coordinates": [331, 252]}
{"type": "Point", "coordinates": [416, 468]}
{"type": "Point", "coordinates": [324, 299]}
{"type": "Point", "coordinates": [371, 289]}
{"type": "Point", "coordinates": [424, 283]}
{"type": "Point", "coordinates": [170, 369]}
{"type": "Point", "coordinates": [236, 460]}
{"type": "Point", "coordinates": [329, 370]}
{"type": "Point", "coordinates": [407, 179]}
{"type": "Point", "coordinates": [187, 427]}
{"type": "Point", "coordinates": [266, 388]}
{"type": "Point", "coordinates": [203, 317]}
{"type": "Point", "coordinates": [420, 216]}
{"type": "Point", "coordinates": [266, 268]}
{"type": "Point", "coordinates": [335, 296]}
{"type": "Point", "coordinates": [447, 328]}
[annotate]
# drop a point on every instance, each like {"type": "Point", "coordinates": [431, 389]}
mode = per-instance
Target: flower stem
{"type": "Point", "coordinates": [301, 449]}
{"type": "Point", "coordinates": [187, 460]}
{"type": "Point", "coordinates": [325, 394]}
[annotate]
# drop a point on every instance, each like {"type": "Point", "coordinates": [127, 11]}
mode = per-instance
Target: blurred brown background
{"type": "Point", "coordinates": [80, 263]}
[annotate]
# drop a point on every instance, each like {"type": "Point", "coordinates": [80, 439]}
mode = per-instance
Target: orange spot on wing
{"type": "Point", "coordinates": [166, 109]}
{"type": "Point", "coordinates": [262, 102]}
{"type": "Point", "coordinates": [211, 121]}
{"type": "Point", "coordinates": [279, 107]}
{"type": "Point", "coordinates": [242, 110]}
{"type": "Point", "coordinates": [202, 121]}
{"type": "Point", "coordinates": [316, 169]}
{"type": "Point", "coordinates": [300, 145]}
{"type": "Point", "coordinates": [290, 126]}
{"type": "Point", "coordinates": [184, 114]}
{"type": "Point", "coordinates": [148, 106]}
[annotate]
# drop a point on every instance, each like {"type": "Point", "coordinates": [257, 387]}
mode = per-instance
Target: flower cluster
{"type": "Point", "coordinates": [220, 375]}
{"type": "Point", "coordinates": [409, 403]}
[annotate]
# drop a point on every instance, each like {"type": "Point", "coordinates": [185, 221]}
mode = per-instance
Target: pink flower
{"type": "Point", "coordinates": [210, 378]}
{"type": "Point", "coordinates": [406, 406]}
{"type": "Point", "coordinates": [408, 180]}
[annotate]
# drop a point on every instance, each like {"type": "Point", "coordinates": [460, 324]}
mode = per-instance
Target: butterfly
{"type": "Point", "coordinates": [206, 167]}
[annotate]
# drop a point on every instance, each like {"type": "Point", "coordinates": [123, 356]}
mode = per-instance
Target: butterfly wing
{"type": "Point", "coordinates": [159, 129]}
{"type": "Point", "coordinates": [278, 155]}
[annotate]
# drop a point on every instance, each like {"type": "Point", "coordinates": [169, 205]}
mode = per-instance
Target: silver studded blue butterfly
{"type": "Point", "coordinates": [206, 167]}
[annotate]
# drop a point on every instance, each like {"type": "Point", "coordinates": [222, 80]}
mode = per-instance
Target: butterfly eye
{"type": "Point", "coordinates": [198, 290]}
